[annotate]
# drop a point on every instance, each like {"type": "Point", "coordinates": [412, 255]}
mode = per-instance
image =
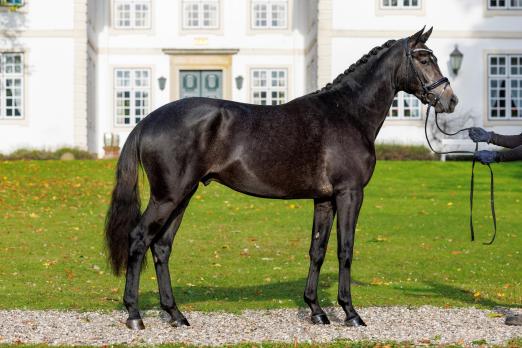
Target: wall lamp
{"type": "Point", "coordinates": [239, 82]}
{"type": "Point", "coordinates": [456, 60]}
{"type": "Point", "coordinates": [162, 81]}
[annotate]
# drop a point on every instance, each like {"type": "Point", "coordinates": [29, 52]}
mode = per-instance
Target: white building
{"type": "Point", "coordinates": [74, 70]}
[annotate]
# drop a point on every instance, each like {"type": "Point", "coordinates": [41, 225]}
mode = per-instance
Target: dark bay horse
{"type": "Point", "coordinates": [319, 146]}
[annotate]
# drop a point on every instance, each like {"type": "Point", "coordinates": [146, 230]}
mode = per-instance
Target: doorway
{"type": "Point", "coordinates": [201, 83]}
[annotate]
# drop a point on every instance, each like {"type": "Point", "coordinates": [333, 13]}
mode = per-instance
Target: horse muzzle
{"type": "Point", "coordinates": [447, 104]}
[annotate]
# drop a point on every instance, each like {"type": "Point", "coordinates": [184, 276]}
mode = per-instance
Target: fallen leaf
{"type": "Point", "coordinates": [377, 281]}
{"type": "Point", "coordinates": [69, 274]}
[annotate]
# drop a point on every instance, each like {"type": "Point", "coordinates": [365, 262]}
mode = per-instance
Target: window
{"type": "Point", "coordinates": [268, 86]}
{"type": "Point", "coordinates": [405, 4]}
{"type": "Point", "coordinates": [505, 4]}
{"type": "Point", "coordinates": [132, 95]}
{"type": "Point", "coordinates": [200, 14]}
{"type": "Point", "coordinates": [12, 2]}
{"type": "Point", "coordinates": [505, 86]}
{"type": "Point", "coordinates": [405, 107]}
{"type": "Point", "coordinates": [132, 14]}
{"type": "Point", "coordinates": [269, 14]}
{"type": "Point", "coordinates": [11, 85]}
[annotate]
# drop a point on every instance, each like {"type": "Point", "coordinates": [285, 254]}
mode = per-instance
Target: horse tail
{"type": "Point", "coordinates": [124, 211]}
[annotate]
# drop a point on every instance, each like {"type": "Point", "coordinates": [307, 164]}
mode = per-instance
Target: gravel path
{"type": "Point", "coordinates": [419, 325]}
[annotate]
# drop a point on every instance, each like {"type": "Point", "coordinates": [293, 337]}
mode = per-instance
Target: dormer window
{"type": "Point", "coordinates": [131, 14]}
{"type": "Point", "coordinates": [269, 14]}
{"type": "Point", "coordinates": [200, 14]}
{"type": "Point", "coordinates": [505, 4]}
{"type": "Point", "coordinates": [400, 4]}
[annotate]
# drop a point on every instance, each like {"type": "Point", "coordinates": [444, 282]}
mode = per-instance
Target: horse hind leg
{"type": "Point", "coordinates": [324, 213]}
{"type": "Point", "coordinates": [161, 249]}
{"type": "Point", "coordinates": [151, 225]}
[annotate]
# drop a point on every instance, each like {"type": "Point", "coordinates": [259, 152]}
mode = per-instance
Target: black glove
{"type": "Point", "coordinates": [486, 157]}
{"type": "Point", "coordinates": [480, 135]}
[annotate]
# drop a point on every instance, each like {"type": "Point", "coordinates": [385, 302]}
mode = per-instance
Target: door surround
{"type": "Point", "coordinates": [200, 59]}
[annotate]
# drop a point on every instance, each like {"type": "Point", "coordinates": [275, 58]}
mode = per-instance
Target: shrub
{"type": "Point", "coordinates": [396, 152]}
{"type": "Point", "coordinates": [33, 154]}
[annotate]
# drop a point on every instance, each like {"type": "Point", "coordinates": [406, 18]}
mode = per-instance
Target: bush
{"type": "Point", "coordinates": [32, 154]}
{"type": "Point", "coordinates": [396, 152]}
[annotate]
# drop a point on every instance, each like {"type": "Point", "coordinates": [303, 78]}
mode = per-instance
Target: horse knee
{"type": "Point", "coordinates": [317, 256]}
{"type": "Point", "coordinates": [345, 259]}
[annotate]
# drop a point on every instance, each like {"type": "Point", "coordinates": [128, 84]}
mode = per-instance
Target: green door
{"type": "Point", "coordinates": [201, 83]}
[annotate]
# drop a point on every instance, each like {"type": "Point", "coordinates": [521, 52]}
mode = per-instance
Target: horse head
{"type": "Point", "coordinates": [423, 77]}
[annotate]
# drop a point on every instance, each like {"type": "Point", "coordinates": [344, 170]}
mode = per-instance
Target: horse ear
{"type": "Point", "coordinates": [426, 35]}
{"type": "Point", "coordinates": [415, 38]}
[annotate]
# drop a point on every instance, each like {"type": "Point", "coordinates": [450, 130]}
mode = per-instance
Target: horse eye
{"type": "Point", "coordinates": [424, 62]}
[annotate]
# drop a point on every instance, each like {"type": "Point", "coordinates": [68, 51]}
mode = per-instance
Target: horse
{"type": "Point", "coordinates": [320, 146]}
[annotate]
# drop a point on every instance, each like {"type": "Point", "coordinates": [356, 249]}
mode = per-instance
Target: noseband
{"type": "Point", "coordinates": [427, 88]}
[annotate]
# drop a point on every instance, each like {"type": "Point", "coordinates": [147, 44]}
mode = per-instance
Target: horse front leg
{"type": "Point", "coordinates": [348, 204]}
{"type": "Point", "coordinates": [324, 213]}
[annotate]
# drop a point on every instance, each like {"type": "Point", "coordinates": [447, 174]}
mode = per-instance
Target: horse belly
{"type": "Point", "coordinates": [271, 182]}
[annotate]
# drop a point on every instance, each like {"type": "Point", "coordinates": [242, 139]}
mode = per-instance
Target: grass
{"type": "Point", "coordinates": [235, 252]}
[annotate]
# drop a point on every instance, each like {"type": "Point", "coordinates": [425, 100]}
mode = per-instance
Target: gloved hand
{"type": "Point", "coordinates": [480, 135]}
{"type": "Point", "coordinates": [486, 157]}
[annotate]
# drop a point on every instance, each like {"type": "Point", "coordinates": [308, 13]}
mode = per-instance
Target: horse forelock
{"type": "Point", "coordinates": [363, 60]}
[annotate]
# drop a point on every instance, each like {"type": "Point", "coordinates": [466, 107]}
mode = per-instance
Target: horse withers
{"type": "Point", "coordinates": [319, 146]}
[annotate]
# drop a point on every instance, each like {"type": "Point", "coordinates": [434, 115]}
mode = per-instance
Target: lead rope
{"type": "Point", "coordinates": [472, 188]}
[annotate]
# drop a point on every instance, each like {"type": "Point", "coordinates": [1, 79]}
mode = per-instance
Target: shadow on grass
{"type": "Point", "coordinates": [285, 291]}
{"type": "Point", "coordinates": [291, 292]}
{"type": "Point", "coordinates": [454, 294]}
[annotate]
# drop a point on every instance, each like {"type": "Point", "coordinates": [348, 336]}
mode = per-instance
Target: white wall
{"type": "Point", "coordinates": [47, 40]}
{"type": "Point", "coordinates": [446, 15]}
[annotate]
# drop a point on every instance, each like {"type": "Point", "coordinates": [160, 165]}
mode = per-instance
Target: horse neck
{"type": "Point", "coordinates": [367, 93]}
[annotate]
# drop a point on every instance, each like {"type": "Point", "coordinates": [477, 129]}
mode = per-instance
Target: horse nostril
{"type": "Point", "coordinates": [455, 100]}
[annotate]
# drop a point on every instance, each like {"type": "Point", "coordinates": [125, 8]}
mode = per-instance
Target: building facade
{"type": "Point", "coordinates": [78, 70]}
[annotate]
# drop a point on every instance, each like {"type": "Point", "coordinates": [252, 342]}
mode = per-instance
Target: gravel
{"type": "Point", "coordinates": [417, 325]}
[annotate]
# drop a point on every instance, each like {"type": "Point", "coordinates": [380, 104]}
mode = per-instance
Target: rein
{"type": "Point", "coordinates": [427, 90]}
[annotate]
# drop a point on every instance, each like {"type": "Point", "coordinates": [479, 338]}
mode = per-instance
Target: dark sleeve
{"type": "Point", "coordinates": [510, 141]}
{"type": "Point", "coordinates": [510, 155]}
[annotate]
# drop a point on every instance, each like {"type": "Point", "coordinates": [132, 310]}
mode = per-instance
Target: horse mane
{"type": "Point", "coordinates": [363, 60]}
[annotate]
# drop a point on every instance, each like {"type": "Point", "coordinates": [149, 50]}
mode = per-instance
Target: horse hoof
{"type": "Point", "coordinates": [135, 324]}
{"type": "Point", "coordinates": [354, 322]}
{"type": "Point", "coordinates": [179, 322]}
{"type": "Point", "coordinates": [320, 319]}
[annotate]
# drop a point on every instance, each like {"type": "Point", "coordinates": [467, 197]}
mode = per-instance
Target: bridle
{"type": "Point", "coordinates": [427, 90]}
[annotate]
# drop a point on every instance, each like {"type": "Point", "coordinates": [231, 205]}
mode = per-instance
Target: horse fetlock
{"type": "Point", "coordinates": [310, 298]}
{"type": "Point", "coordinates": [320, 319]}
{"type": "Point", "coordinates": [179, 322]}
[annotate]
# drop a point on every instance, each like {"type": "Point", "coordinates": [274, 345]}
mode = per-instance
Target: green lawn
{"type": "Point", "coordinates": [235, 252]}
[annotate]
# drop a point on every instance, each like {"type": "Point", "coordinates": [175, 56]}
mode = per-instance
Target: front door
{"type": "Point", "coordinates": [201, 83]}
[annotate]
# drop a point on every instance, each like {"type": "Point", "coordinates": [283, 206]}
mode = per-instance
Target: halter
{"type": "Point", "coordinates": [427, 89]}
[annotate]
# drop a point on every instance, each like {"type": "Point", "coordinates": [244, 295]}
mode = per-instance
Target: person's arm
{"type": "Point", "coordinates": [510, 155]}
{"type": "Point", "coordinates": [478, 134]}
{"type": "Point", "coordinates": [509, 141]}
